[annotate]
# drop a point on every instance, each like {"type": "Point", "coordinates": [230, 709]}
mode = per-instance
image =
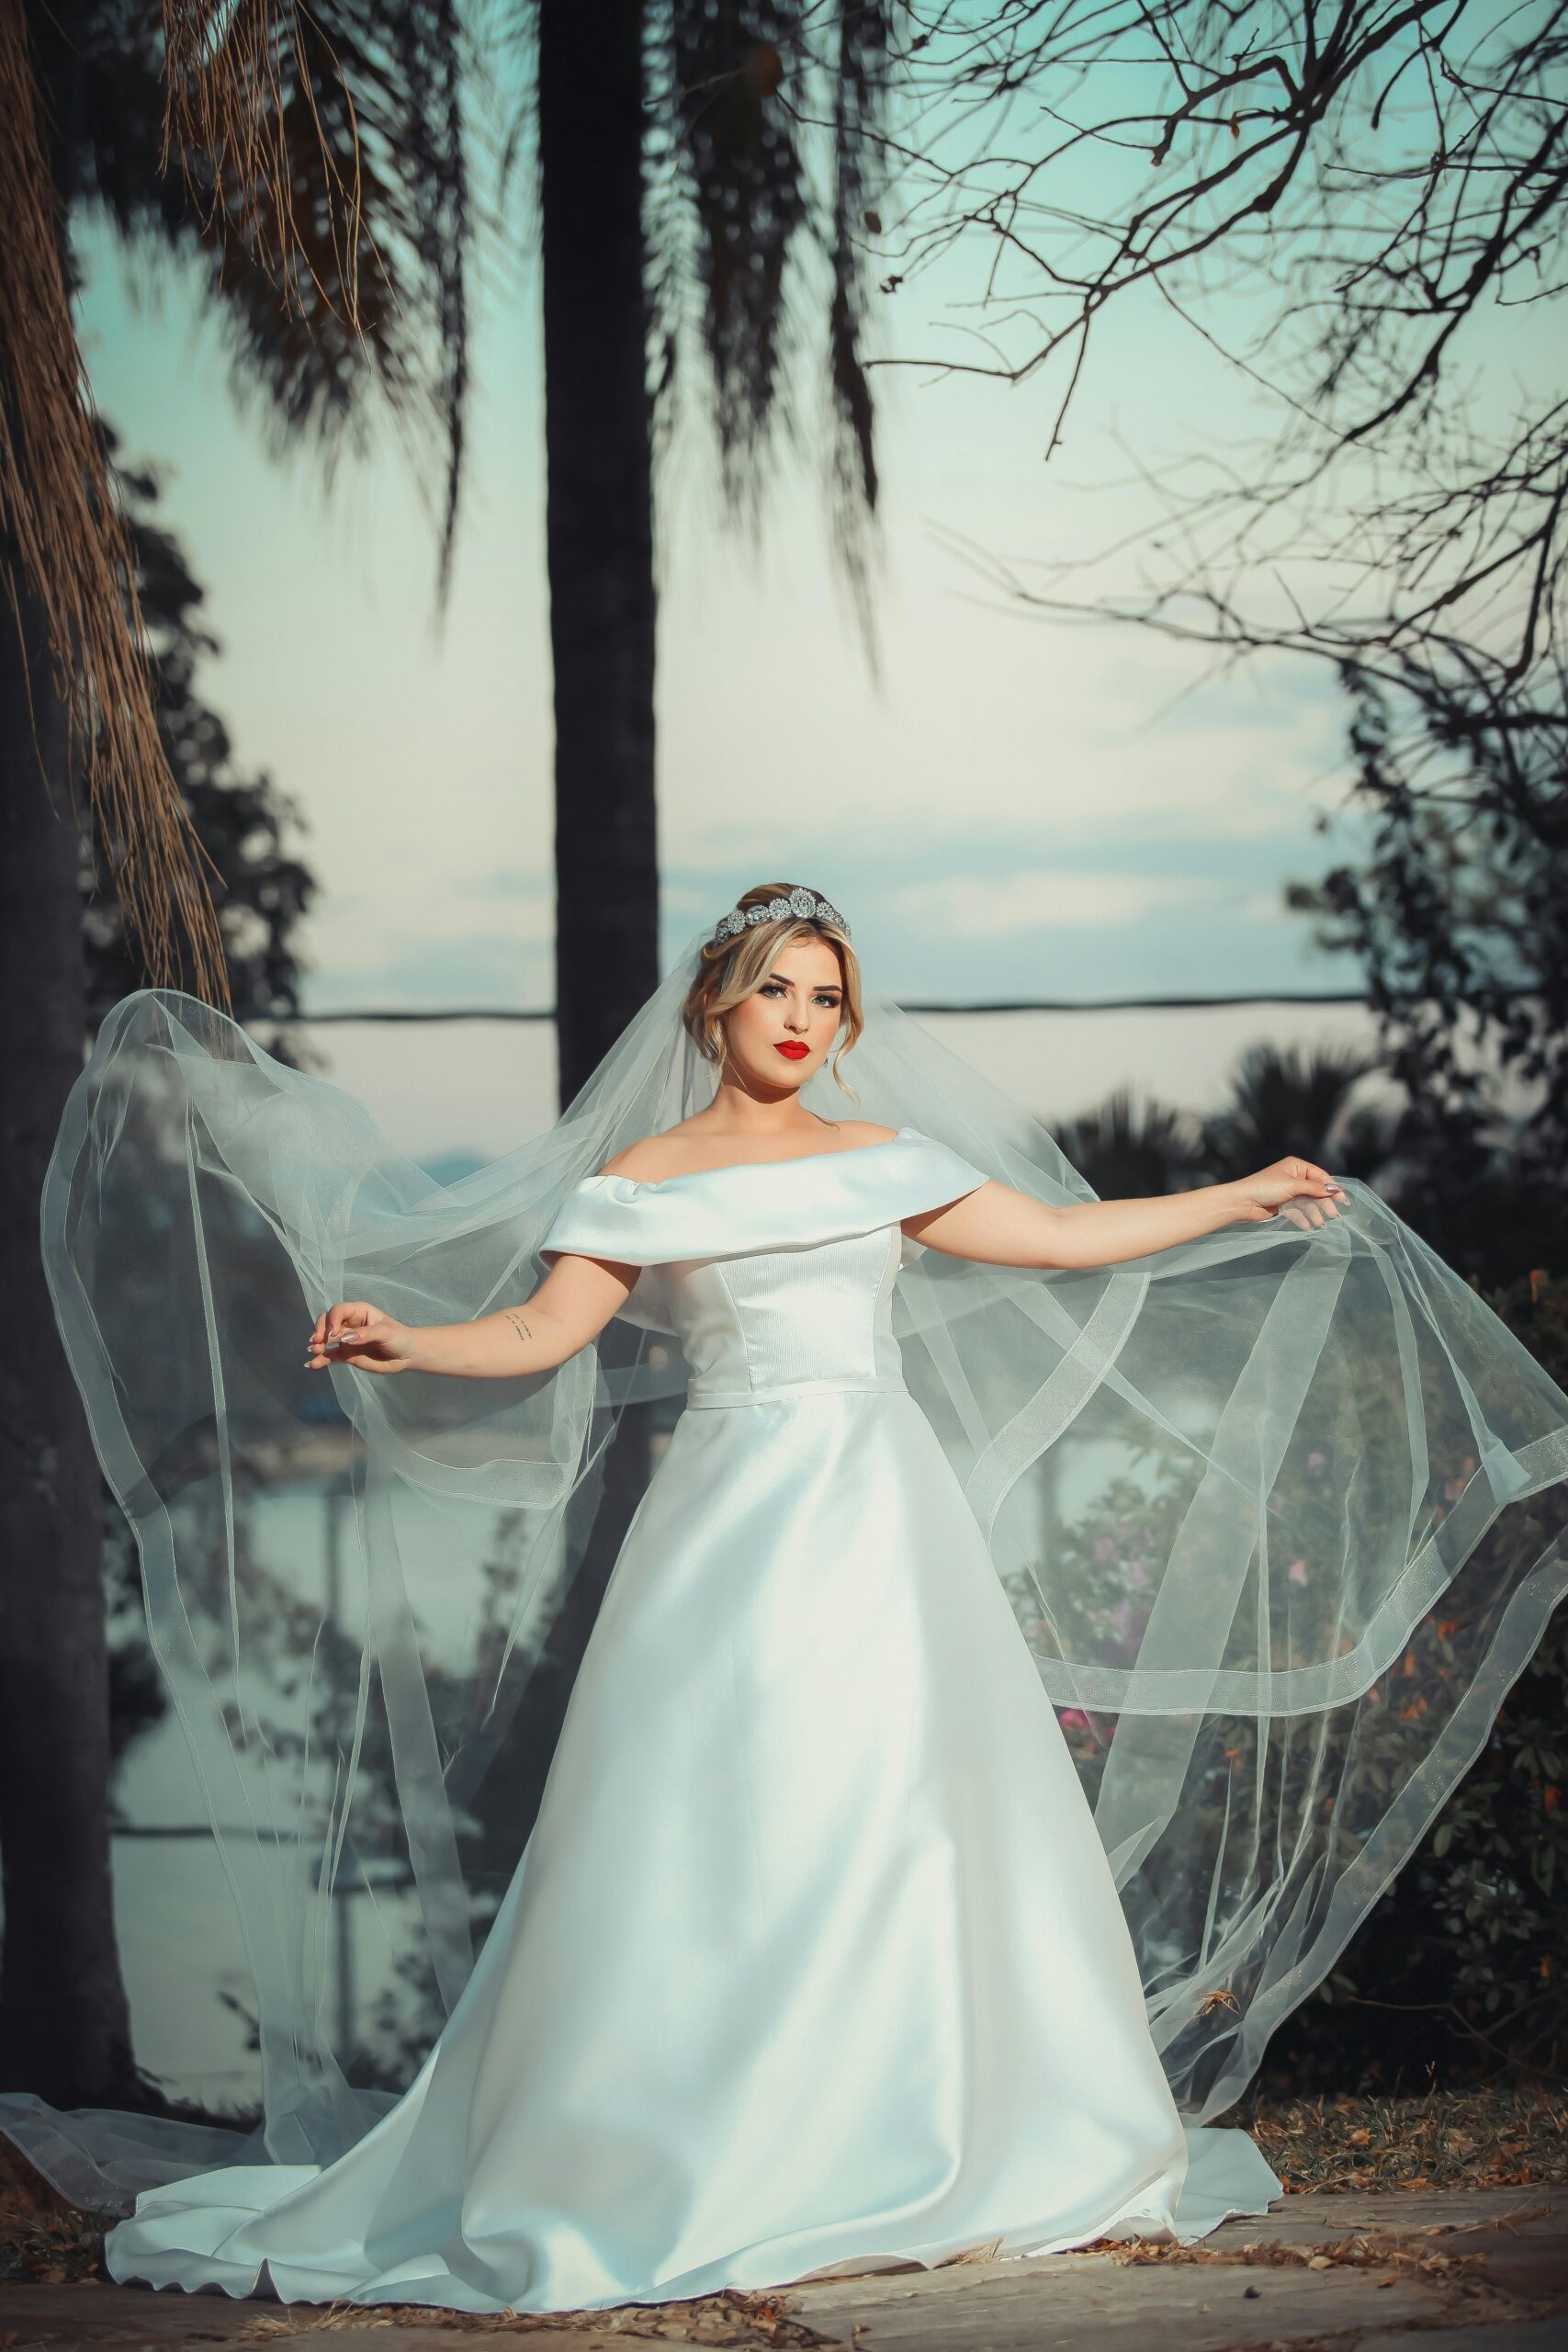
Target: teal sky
{"type": "Point", "coordinates": [1028, 767]}
{"type": "Point", "coordinates": [1014, 807]}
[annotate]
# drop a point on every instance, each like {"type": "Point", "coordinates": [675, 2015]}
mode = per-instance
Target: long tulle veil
{"type": "Point", "coordinates": [1281, 1513]}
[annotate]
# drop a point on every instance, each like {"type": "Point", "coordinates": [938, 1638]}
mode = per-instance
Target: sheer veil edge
{"type": "Point", "coordinates": [1281, 1514]}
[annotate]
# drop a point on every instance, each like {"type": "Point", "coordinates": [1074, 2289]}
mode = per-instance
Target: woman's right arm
{"type": "Point", "coordinates": [570, 1307]}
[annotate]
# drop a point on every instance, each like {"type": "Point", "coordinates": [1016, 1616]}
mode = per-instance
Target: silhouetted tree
{"type": "Point", "coordinates": [239, 819]}
{"type": "Point", "coordinates": [1280, 1100]}
{"type": "Point", "coordinates": [1458, 916]}
{"type": "Point", "coordinates": [1129, 1149]}
{"type": "Point", "coordinates": [1283, 1101]}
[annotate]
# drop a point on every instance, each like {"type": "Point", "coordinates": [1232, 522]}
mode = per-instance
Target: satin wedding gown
{"type": "Point", "coordinates": [814, 1958]}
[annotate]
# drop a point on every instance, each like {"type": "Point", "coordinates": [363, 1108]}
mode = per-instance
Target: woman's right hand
{"type": "Point", "coordinates": [352, 1332]}
{"type": "Point", "coordinates": [1298, 1190]}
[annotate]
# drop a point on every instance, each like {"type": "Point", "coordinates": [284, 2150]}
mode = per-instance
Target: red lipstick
{"type": "Point", "coordinates": [795, 1050]}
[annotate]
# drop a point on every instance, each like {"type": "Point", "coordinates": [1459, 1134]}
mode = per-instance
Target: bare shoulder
{"type": "Point", "coordinates": [673, 1152]}
{"type": "Point", "coordinates": [651, 1158]}
{"type": "Point", "coordinates": [860, 1131]}
{"type": "Point", "coordinates": [689, 1148]}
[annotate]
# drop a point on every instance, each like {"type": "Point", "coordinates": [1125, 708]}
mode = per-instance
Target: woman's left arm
{"type": "Point", "coordinates": [1003, 1228]}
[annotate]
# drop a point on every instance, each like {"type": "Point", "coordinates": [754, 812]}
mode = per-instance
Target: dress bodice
{"type": "Point", "coordinates": [775, 1321]}
{"type": "Point", "coordinates": [776, 1277]}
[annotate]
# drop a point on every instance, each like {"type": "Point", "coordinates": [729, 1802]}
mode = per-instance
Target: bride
{"type": "Point", "coordinates": [818, 1954]}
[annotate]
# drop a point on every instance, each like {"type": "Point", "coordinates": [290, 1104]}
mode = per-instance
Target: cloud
{"type": "Point", "coordinates": [987, 905]}
{"type": "Point", "coordinates": [497, 969]}
{"type": "Point", "coordinates": [533, 894]}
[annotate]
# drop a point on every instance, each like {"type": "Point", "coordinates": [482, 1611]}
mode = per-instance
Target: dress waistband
{"type": "Point", "coordinates": [837, 1383]}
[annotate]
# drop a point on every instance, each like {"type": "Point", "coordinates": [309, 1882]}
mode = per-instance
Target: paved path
{"type": "Point", "coordinates": [1483, 2271]}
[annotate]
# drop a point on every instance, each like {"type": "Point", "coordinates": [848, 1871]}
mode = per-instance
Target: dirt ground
{"type": "Point", "coordinates": [1442, 2217]}
{"type": "Point", "coordinates": [1496, 2137]}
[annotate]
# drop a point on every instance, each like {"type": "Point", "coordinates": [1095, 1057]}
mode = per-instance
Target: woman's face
{"type": "Point", "coordinates": [779, 1035]}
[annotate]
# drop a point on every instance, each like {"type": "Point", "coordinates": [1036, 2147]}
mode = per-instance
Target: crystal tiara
{"type": "Point", "coordinates": [804, 904]}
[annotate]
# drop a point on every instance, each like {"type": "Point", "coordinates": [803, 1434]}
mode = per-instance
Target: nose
{"type": "Point", "coordinates": [797, 1017]}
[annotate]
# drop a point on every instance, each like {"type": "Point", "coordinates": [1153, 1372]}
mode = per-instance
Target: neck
{"type": "Point", "coordinates": [739, 1111]}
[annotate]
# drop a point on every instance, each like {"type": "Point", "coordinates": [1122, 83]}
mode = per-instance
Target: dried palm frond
{"type": "Point", "coordinates": [324, 148]}
{"type": "Point", "coordinates": [241, 85]}
{"type": "Point", "coordinates": [61, 523]}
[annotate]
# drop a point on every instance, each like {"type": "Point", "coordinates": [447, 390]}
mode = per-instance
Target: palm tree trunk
{"type": "Point", "coordinates": [64, 2020]}
{"type": "Point", "coordinates": [599, 536]}
{"type": "Point", "coordinates": [599, 464]}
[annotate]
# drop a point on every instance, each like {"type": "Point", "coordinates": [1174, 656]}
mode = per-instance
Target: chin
{"type": "Point", "coordinates": [793, 1075]}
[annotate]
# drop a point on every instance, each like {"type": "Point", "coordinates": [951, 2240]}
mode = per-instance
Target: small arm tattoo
{"type": "Point", "coordinates": [519, 1324]}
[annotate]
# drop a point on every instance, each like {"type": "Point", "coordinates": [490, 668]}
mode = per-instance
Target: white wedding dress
{"type": "Point", "coordinates": [814, 1958]}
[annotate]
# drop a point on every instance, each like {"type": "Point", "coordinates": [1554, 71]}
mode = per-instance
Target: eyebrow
{"type": "Point", "coordinates": [784, 983]}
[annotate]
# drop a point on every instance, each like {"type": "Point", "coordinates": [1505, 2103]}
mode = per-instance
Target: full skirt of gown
{"type": "Point", "coordinates": [814, 1958]}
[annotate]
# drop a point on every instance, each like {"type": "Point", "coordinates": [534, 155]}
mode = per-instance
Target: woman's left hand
{"type": "Point", "coordinates": [1297, 1189]}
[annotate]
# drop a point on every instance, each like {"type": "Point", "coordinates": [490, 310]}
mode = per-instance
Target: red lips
{"type": "Point", "coordinates": [795, 1052]}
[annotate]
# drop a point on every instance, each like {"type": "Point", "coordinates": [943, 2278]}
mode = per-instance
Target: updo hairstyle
{"type": "Point", "coordinates": [731, 969]}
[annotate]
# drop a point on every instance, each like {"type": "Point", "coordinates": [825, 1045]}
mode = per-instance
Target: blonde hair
{"type": "Point", "coordinates": [731, 969]}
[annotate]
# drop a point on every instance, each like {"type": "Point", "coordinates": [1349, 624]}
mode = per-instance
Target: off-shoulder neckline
{"type": "Point", "coordinates": [734, 1167]}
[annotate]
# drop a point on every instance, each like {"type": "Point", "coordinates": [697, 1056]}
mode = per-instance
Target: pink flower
{"type": "Point", "coordinates": [1104, 1545]}
{"type": "Point", "coordinates": [1137, 1574]}
{"type": "Point", "coordinates": [1317, 1460]}
{"type": "Point", "coordinates": [1297, 1572]}
{"type": "Point", "coordinates": [1073, 1719]}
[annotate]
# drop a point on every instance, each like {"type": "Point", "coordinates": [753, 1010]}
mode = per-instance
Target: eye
{"type": "Point", "coordinates": [824, 996]}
